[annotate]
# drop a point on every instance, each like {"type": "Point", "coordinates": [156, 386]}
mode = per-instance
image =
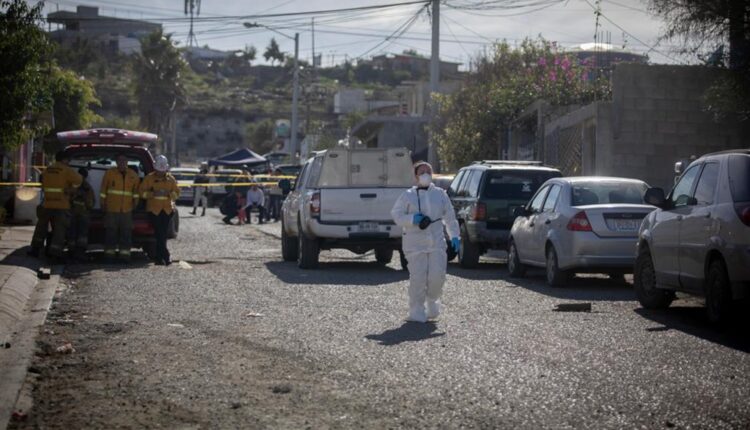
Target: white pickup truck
{"type": "Point", "coordinates": [343, 199]}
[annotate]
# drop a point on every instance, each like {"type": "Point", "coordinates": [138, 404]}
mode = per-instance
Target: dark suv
{"type": "Point", "coordinates": [485, 194]}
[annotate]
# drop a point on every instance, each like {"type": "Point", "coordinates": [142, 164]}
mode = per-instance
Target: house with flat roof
{"type": "Point", "coordinates": [112, 35]}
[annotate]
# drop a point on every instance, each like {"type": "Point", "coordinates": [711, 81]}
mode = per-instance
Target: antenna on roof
{"type": "Point", "coordinates": [192, 8]}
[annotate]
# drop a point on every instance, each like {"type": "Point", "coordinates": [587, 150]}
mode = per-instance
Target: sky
{"type": "Point", "coordinates": [353, 35]}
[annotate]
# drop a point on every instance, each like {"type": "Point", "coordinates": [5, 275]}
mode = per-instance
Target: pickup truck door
{"type": "Point", "coordinates": [294, 201]}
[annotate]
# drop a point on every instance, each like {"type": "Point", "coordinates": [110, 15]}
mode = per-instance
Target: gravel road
{"type": "Point", "coordinates": [239, 339]}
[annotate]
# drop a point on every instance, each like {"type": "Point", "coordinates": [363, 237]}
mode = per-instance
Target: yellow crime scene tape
{"type": "Point", "coordinates": [214, 175]}
{"type": "Point", "coordinates": [212, 184]}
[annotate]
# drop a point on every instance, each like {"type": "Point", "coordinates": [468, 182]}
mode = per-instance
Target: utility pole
{"type": "Point", "coordinates": [295, 101]}
{"type": "Point", "coordinates": [432, 157]}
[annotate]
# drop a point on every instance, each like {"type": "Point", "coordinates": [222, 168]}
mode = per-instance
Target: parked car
{"type": "Point", "coordinates": [698, 241]}
{"type": "Point", "coordinates": [185, 177]}
{"type": "Point", "coordinates": [343, 199]}
{"type": "Point", "coordinates": [579, 224]}
{"type": "Point", "coordinates": [97, 149]}
{"type": "Point", "coordinates": [485, 195]}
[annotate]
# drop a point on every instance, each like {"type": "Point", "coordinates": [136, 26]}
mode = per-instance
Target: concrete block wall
{"type": "Point", "coordinates": [656, 118]}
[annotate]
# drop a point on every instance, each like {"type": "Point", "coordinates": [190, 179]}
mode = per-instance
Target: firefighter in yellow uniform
{"type": "Point", "coordinates": [59, 182]}
{"type": "Point", "coordinates": [160, 190]}
{"type": "Point", "coordinates": [119, 196]}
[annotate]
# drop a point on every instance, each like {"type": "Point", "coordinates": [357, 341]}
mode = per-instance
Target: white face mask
{"type": "Point", "coordinates": [425, 179]}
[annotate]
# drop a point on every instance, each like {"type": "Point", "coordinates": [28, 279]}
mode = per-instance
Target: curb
{"type": "Point", "coordinates": [14, 295]}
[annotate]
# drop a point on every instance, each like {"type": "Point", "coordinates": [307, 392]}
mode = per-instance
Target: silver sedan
{"type": "Point", "coordinates": [579, 224]}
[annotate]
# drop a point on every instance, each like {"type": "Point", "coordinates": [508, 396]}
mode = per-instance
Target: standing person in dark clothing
{"type": "Point", "coordinates": [160, 190]}
{"type": "Point", "coordinates": [201, 192]}
{"type": "Point", "coordinates": [81, 204]}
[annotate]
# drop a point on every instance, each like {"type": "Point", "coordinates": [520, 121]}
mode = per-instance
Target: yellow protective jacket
{"type": "Point", "coordinates": [160, 193]}
{"type": "Point", "coordinates": [119, 191]}
{"type": "Point", "coordinates": [58, 183]}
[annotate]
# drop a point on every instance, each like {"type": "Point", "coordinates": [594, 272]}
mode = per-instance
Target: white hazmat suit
{"type": "Point", "coordinates": [425, 249]}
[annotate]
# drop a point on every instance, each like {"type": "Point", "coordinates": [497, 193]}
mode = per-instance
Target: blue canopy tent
{"type": "Point", "coordinates": [238, 158]}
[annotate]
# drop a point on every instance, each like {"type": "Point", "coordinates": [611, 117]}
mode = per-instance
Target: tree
{"type": "Point", "coordinates": [23, 89]}
{"type": "Point", "coordinates": [158, 81]}
{"type": "Point", "coordinates": [249, 53]}
{"type": "Point", "coordinates": [705, 27]}
{"type": "Point", "coordinates": [472, 122]}
{"type": "Point", "coordinates": [73, 99]}
{"type": "Point", "coordinates": [260, 136]}
{"type": "Point", "coordinates": [273, 53]}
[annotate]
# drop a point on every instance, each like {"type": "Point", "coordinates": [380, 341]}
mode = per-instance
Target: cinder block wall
{"type": "Point", "coordinates": [656, 118]}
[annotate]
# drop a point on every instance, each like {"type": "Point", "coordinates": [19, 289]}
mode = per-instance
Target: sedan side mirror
{"type": "Point", "coordinates": [655, 197]}
{"type": "Point", "coordinates": [520, 211]}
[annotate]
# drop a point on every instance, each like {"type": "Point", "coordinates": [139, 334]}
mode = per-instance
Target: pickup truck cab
{"type": "Point", "coordinates": [96, 150]}
{"type": "Point", "coordinates": [343, 199]}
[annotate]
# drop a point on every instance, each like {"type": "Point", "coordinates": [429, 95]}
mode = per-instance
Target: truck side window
{"type": "Point", "coordinates": [463, 190]}
{"type": "Point", "coordinates": [302, 177]}
{"type": "Point", "coordinates": [453, 189]}
{"type": "Point", "coordinates": [473, 185]}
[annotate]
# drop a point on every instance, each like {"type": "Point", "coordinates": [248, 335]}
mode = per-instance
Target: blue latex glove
{"type": "Point", "coordinates": [456, 244]}
{"type": "Point", "coordinates": [417, 218]}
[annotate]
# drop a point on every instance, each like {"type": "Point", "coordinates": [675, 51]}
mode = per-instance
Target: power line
{"type": "Point", "coordinates": [398, 32]}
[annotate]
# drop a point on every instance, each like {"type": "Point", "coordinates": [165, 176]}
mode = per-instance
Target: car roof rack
{"type": "Point", "coordinates": [510, 162]}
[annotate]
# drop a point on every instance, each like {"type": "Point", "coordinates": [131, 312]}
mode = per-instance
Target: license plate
{"type": "Point", "coordinates": [626, 224]}
{"type": "Point", "coordinates": [368, 227]}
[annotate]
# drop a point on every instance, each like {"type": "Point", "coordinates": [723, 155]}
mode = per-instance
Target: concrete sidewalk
{"type": "Point", "coordinates": [18, 277]}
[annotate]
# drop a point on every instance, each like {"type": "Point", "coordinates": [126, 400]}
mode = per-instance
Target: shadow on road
{"type": "Point", "coordinates": [19, 258]}
{"type": "Point", "coordinates": [344, 273]}
{"type": "Point", "coordinates": [693, 321]}
{"type": "Point", "coordinates": [408, 332]}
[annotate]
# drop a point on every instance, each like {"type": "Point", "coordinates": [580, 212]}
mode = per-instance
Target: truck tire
{"type": "Point", "coordinates": [644, 283]}
{"type": "Point", "coordinates": [174, 226]}
{"type": "Point", "coordinates": [309, 251]}
{"type": "Point", "coordinates": [383, 255]}
{"type": "Point", "coordinates": [515, 267]}
{"type": "Point", "coordinates": [289, 245]}
{"type": "Point", "coordinates": [468, 254]}
{"type": "Point", "coordinates": [404, 262]}
{"type": "Point", "coordinates": [149, 249]}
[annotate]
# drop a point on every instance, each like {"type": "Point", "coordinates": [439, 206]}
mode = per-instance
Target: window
{"type": "Point", "coordinates": [463, 188]}
{"type": "Point", "coordinates": [739, 177]}
{"type": "Point", "coordinates": [513, 185]}
{"type": "Point", "coordinates": [315, 169]}
{"type": "Point", "coordinates": [549, 204]}
{"type": "Point", "coordinates": [302, 177]}
{"type": "Point", "coordinates": [602, 193]}
{"type": "Point", "coordinates": [681, 193]}
{"type": "Point", "coordinates": [704, 191]}
{"type": "Point", "coordinates": [536, 204]}
{"type": "Point", "coordinates": [473, 186]}
{"type": "Point", "coordinates": [453, 189]}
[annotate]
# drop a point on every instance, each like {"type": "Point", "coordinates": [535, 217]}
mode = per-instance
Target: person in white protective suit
{"type": "Point", "coordinates": [422, 211]}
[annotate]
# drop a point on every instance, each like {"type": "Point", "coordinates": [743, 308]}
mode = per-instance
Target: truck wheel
{"type": "Point", "coordinates": [450, 253]}
{"type": "Point", "coordinates": [404, 262]}
{"type": "Point", "coordinates": [174, 226]}
{"type": "Point", "coordinates": [309, 251]}
{"type": "Point", "coordinates": [644, 283]}
{"type": "Point", "coordinates": [556, 277]}
{"type": "Point", "coordinates": [515, 267]}
{"type": "Point", "coordinates": [150, 250]}
{"type": "Point", "coordinates": [718, 294]}
{"type": "Point", "coordinates": [468, 253]}
{"type": "Point", "coordinates": [383, 255]}
{"type": "Point", "coordinates": [289, 245]}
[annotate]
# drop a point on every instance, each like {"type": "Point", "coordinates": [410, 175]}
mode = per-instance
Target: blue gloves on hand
{"type": "Point", "coordinates": [417, 218]}
{"type": "Point", "coordinates": [456, 244]}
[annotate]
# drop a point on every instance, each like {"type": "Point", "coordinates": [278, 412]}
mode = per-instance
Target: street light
{"type": "Point", "coordinates": [295, 90]}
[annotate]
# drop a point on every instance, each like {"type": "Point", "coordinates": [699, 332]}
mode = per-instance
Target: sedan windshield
{"type": "Point", "coordinates": [602, 193]}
